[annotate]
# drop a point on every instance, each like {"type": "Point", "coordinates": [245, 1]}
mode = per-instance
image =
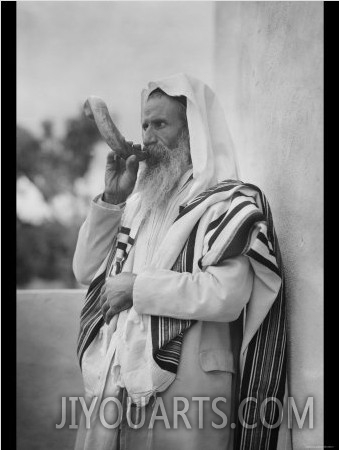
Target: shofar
{"type": "Point", "coordinates": [96, 109]}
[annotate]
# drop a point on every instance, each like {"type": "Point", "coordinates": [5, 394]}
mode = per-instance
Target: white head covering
{"type": "Point", "coordinates": [212, 151]}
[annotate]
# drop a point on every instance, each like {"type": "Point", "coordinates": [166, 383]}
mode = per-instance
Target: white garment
{"type": "Point", "coordinates": [211, 146]}
{"type": "Point", "coordinates": [223, 292]}
{"type": "Point", "coordinates": [213, 161]}
{"type": "Point", "coordinates": [149, 238]}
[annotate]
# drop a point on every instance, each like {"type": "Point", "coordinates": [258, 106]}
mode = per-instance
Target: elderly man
{"type": "Point", "coordinates": [178, 253]}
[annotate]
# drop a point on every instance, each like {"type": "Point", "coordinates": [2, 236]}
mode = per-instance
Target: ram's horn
{"type": "Point", "coordinates": [96, 109]}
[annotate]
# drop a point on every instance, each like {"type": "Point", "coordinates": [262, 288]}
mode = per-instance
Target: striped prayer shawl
{"type": "Point", "coordinates": [245, 227]}
{"type": "Point", "coordinates": [168, 333]}
{"type": "Point", "coordinates": [91, 318]}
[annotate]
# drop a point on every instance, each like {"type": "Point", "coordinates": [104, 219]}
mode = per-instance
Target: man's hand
{"type": "Point", "coordinates": [120, 178]}
{"type": "Point", "coordinates": [117, 294]}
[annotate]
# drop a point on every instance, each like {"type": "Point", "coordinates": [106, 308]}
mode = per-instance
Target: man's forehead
{"type": "Point", "coordinates": [162, 106]}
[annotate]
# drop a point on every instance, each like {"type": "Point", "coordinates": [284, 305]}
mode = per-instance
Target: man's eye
{"type": "Point", "coordinates": [159, 124]}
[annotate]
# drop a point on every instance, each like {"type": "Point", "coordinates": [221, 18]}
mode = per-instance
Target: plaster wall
{"type": "Point", "coordinates": [269, 75]}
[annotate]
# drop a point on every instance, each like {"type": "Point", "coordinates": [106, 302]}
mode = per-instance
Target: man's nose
{"type": "Point", "coordinates": [149, 137]}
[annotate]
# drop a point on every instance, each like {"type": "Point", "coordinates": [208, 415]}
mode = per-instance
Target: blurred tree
{"type": "Point", "coordinates": [45, 251]}
{"type": "Point", "coordinates": [47, 126]}
{"type": "Point", "coordinates": [80, 137]}
{"type": "Point", "coordinates": [54, 164]}
{"type": "Point", "coordinates": [27, 152]}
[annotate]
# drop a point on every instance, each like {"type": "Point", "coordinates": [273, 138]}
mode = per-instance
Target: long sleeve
{"type": "Point", "coordinates": [217, 294]}
{"type": "Point", "coordinates": [95, 238]}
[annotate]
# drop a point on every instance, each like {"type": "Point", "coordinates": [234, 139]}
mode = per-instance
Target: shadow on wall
{"type": "Point", "coordinates": [269, 71]}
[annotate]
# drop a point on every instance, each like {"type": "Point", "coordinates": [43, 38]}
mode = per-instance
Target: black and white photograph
{"type": "Point", "coordinates": [169, 225]}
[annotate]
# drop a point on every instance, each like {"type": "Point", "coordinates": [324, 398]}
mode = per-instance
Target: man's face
{"type": "Point", "coordinates": [165, 134]}
{"type": "Point", "coordinates": [162, 122]}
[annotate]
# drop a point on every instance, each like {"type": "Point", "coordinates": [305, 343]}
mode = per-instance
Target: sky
{"type": "Point", "coordinates": [67, 51]}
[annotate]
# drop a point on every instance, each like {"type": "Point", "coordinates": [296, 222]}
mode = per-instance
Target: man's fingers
{"type": "Point", "coordinates": [114, 161]}
{"type": "Point", "coordinates": [112, 157]}
{"type": "Point", "coordinates": [132, 166]}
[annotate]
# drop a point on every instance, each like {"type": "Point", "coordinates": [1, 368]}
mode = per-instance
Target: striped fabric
{"type": "Point", "coordinates": [91, 319]}
{"type": "Point", "coordinates": [235, 232]}
{"type": "Point", "coordinates": [264, 368]}
{"type": "Point", "coordinates": [244, 227]}
{"type": "Point", "coordinates": [168, 333]}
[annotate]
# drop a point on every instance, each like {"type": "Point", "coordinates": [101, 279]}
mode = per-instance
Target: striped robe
{"type": "Point", "coordinates": [243, 227]}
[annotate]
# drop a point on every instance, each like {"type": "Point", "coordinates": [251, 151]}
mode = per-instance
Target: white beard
{"type": "Point", "coordinates": [160, 174]}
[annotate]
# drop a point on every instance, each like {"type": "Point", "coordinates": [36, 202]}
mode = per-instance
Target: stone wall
{"type": "Point", "coordinates": [269, 75]}
{"type": "Point", "coordinates": [47, 368]}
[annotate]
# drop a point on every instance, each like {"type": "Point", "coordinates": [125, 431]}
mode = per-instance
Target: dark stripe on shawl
{"type": "Point", "coordinates": [91, 336]}
{"type": "Point", "coordinates": [240, 240]}
{"type": "Point", "coordinates": [267, 212]}
{"type": "Point", "coordinates": [204, 196]}
{"type": "Point", "coordinates": [122, 246]}
{"type": "Point", "coordinates": [190, 249]}
{"type": "Point", "coordinates": [92, 291]}
{"type": "Point", "coordinates": [264, 240]}
{"type": "Point", "coordinates": [95, 283]}
{"type": "Point", "coordinates": [186, 183]}
{"type": "Point", "coordinates": [215, 222]}
{"type": "Point", "coordinates": [255, 255]}
{"type": "Point", "coordinates": [227, 219]}
{"type": "Point", "coordinates": [272, 384]}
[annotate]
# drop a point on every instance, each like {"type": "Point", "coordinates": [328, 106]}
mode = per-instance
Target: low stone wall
{"type": "Point", "coordinates": [47, 367]}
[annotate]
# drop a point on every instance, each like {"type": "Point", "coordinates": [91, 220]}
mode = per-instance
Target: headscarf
{"type": "Point", "coordinates": [212, 152]}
